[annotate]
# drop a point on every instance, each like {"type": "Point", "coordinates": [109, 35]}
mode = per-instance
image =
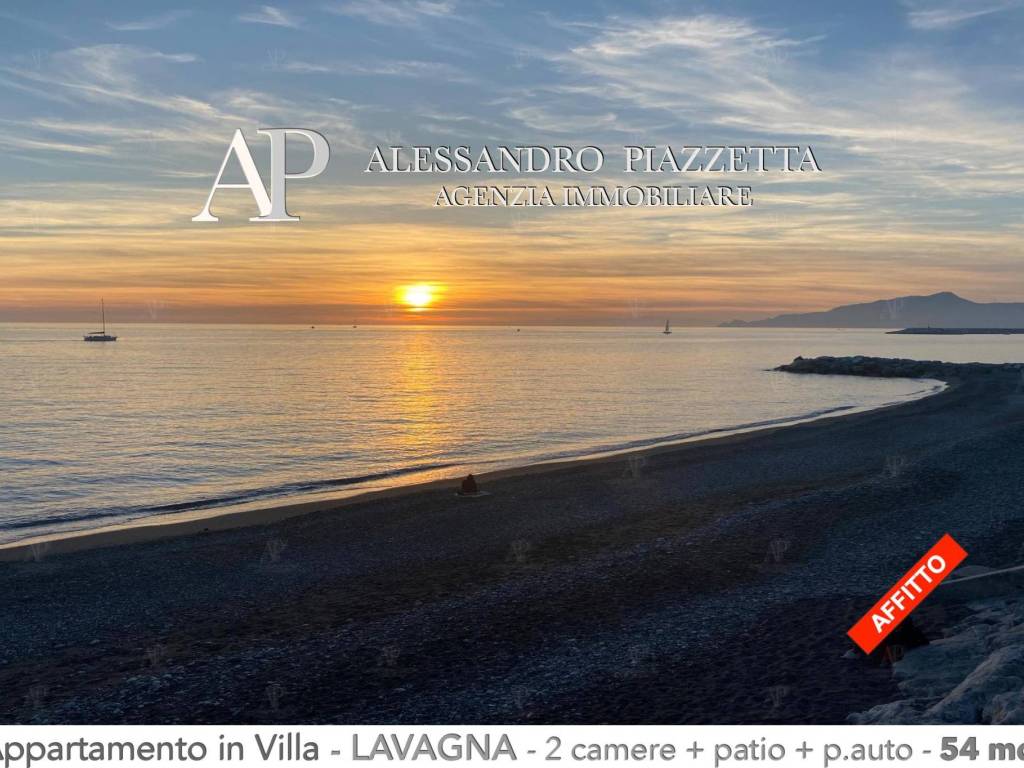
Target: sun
{"type": "Point", "coordinates": [418, 296]}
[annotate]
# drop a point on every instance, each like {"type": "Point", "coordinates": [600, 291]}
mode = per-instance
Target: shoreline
{"type": "Point", "coordinates": [582, 593]}
{"type": "Point", "coordinates": [192, 522]}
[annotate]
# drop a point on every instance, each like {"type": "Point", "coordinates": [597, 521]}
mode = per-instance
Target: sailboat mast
{"type": "Point", "coordinates": [103, 314]}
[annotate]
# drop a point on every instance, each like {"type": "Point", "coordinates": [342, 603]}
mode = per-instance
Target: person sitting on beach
{"type": "Point", "coordinates": [469, 486]}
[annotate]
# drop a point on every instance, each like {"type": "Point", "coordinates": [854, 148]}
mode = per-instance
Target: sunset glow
{"type": "Point", "coordinates": [915, 194]}
{"type": "Point", "coordinates": [418, 297]}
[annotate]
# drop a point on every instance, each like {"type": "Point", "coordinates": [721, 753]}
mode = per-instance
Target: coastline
{"type": "Point", "coordinates": [582, 593]}
{"type": "Point", "coordinates": [191, 522]}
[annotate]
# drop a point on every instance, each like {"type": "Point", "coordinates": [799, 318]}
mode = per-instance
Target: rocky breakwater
{"type": "Point", "coordinates": [894, 367]}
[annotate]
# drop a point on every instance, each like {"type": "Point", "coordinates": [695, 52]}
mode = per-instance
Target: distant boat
{"type": "Point", "coordinates": [100, 335]}
{"type": "Point", "coordinates": [667, 330]}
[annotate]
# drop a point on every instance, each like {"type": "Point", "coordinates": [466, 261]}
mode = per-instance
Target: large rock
{"type": "Point", "coordinates": [1001, 673]}
{"type": "Point", "coordinates": [933, 671]}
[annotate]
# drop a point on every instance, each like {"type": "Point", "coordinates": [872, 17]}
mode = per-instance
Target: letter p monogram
{"type": "Point", "coordinates": [272, 207]}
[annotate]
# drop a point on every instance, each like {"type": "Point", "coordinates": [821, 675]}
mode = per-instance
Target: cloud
{"type": "Point", "coordinates": [113, 64]}
{"type": "Point", "coordinates": [150, 23]}
{"type": "Point", "coordinates": [108, 73]}
{"type": "Point", "coordinates": [707, 34]}
{"type": "Point", "coordinates": [401, 12]}
{"type": "Point", "coordinates": [951, 15]}
{"type": "Point", "coordinates": [115, 105]}
{"type": "Point", "coordinates": [694, 71]}
{"type": "Point", "coordinates": [560, 121]}
{"type": "Point", "coordinates": [904, 108]}
{"type": "Point", "coordinates": [431, 70]}
{"type": "Point", "coordinates": [905, 130]}
{"type": "Point", "coordinates": [268, 14]}
{"type": "Point", "coordinates": [19, 142]}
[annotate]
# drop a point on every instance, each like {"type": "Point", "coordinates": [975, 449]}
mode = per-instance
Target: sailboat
{"type": "Point", "coordinates": [667, 330]}
{"type": "Point", "coordinates": [101, 335]}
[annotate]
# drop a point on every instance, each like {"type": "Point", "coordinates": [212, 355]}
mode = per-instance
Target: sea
{"type": "Point", "coordinates": [176, 420]}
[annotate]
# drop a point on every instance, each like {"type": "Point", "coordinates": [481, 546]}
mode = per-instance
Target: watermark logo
{"type": "Point", "coordinates": [272, 205]}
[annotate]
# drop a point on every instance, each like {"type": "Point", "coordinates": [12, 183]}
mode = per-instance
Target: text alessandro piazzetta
{"type": "Point", "coordinates": [712, 160]}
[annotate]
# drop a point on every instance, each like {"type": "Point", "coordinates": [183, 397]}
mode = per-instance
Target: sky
{"type": "Point", "coordinates": [116, 117]}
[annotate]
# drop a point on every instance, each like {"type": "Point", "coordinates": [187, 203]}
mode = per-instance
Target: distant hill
{"type": "Point", "coordinates": [940, 310]}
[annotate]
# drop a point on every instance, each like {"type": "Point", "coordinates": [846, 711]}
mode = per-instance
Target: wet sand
{"type": "Point", "coordinates": [711, 582]}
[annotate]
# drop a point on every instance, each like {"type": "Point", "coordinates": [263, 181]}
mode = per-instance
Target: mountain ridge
{"type": "Point", "coordinates": [943, 309]}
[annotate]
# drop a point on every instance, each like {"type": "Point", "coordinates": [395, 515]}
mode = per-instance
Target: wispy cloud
{"type": "Point", "coordinates": [100, 73]}
{"type": "Point", "coordinates": [120, 106]}
{"type": "Point", "coordinates": [150, 23]}
{"type": "Point", "coordinates": [949, 15]}
{"type": "Point", "coordinates": [897, 128]}
{"type": "Point", "coordinates": [17, 142]}
{"type": "Point", "coordinates": [557, 122]}
{"type": "Point", "coordinates": [401, 12]}
{"type": "Point", "coordinates": [731, 74]}
{"type": "Point", "coordinates": [268, 14]}
{"type": "Point", "coordinates": [709, 34]}
{"type": "Point", "coordinates": [725, 71]}
{"type": "Point", "coordinates": [376, 67]}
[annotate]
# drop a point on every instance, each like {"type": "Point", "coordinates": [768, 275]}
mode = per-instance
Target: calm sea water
{"type": "Point", "coordinates": [180, 418]}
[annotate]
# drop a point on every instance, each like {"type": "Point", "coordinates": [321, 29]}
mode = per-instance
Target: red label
{"type": "Point", "coordinates": [907, 593]}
